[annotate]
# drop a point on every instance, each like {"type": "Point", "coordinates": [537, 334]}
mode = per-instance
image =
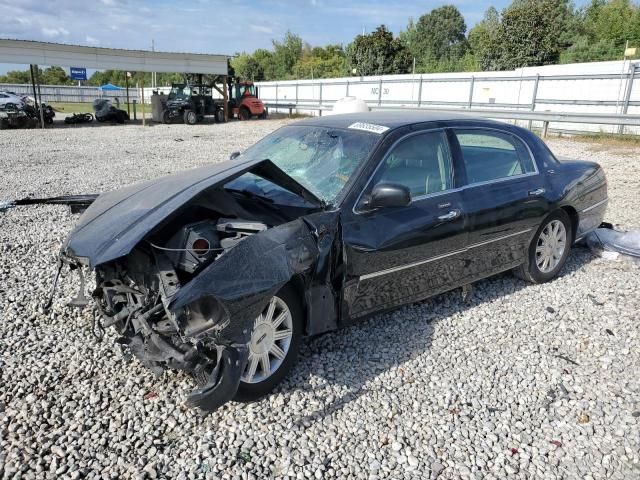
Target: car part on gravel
{"type": "Point", "coordinates": [77, 203]}
{"type": "Point", "coordinates": [608, 243]}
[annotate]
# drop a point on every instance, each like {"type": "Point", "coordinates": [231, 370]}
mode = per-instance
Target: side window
{"type": "Point", "coordinates": [491, 155]}
{"type": "Point", "coordinates": [420, 162]}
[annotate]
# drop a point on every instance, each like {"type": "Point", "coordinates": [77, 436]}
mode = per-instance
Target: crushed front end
{"type": "Point", "coordinates": [190, 303]}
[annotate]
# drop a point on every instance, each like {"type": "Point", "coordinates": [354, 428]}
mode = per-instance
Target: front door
{"type": "Point", "coordinates": [398, 255]}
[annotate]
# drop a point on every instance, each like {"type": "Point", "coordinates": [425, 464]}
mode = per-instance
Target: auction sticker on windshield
{"type": "Point", "coordinates": [369, 127]}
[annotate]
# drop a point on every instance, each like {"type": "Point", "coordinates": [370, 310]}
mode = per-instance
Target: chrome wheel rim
{"type": "Point", "coordinates": [551, 246]}
{"type": "Point", "coordinates": [270, 341]}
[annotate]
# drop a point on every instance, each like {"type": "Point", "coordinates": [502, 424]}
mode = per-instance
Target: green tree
{"type": "Point", "coordinates": [55, 76]}
{"type": "Point", "coordinates": [378, 53]}
{"type": "Point", "coordinates": [247, 67]}
{"type": "Point", "coordinates": [285, 55]}
{"type": "Point", "coordinates": [533, 32]}
{"type": "Point", "coordinates": [16, 76]}
{"type": "Point", "coordinates": [321, 62]}
{"type": "Point", "coordinates": [614, 20]}
{"type": "Point", "coordinates": [484, 40]}
{"type": "Point", "coordinates": [439, 37]}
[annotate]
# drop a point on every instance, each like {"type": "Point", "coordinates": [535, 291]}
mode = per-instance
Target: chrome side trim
{"type": "Point", "coordinates": [410, 265]}
{"type": "Point", "coordinates": [437, 257]}
{"type": "Point", "coordinates": [596, 205]}
{"type": "Point", "coordinates": [486, 242]}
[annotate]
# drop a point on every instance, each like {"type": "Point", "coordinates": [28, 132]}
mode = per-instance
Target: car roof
{"type": "Point", "coordinates": [391, 118]}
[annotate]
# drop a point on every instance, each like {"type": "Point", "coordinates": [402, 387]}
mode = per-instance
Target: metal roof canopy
{"type": "Point", "coordinates": [43, 53]}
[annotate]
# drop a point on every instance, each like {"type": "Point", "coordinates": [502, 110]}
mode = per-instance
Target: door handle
{"type": "Point", "coordinates": [449, 216]}
{"type": "Point", "coordinates": [537, 192]}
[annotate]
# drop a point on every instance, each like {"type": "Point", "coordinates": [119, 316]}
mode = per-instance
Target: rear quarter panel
{"type": "Point", "coordinates": [581, 185]}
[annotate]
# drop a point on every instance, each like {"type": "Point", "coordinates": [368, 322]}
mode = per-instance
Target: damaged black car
{"type": "Point", "coordinates": [220, 271]}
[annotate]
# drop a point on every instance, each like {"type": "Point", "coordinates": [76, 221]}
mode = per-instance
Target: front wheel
{"type": "Point", "coordinates": [244, 114]}
{"type": "Point", "coordinates": [190, 117]}
{"type": "Point", "coordinates": [274, 344]}
{"type": "Point", "coordinates": [548, 250]}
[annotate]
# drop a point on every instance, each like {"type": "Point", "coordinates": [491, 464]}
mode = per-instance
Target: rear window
{"type": "Point", "coordinates": [491, 155]}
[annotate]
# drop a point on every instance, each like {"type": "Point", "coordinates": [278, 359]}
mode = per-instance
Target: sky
{"type": "Point", "coordinates": [211, 26]}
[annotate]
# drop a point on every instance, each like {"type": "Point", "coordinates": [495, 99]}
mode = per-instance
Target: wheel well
{"type": "Point", "coordinates": [297, 284]}
{"type": "Point", "coordinates": [573, 215]}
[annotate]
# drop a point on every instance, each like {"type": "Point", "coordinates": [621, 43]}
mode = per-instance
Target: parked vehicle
{"type": "Point", "coordinates": [13, 116]}
{"type": "Point", "coordinates": [220, 271]}
{"type": "Point", "coordinates": [106, 112]}
{"type": "Point", "coordinates": [191, 104]}
{"type": "Point", "coordinates": [8, 99]}
{"type": "Point", "coordinates": [244, 102]}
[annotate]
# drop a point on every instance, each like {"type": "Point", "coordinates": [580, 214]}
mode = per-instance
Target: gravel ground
{"type": "Point", "coordinates": [521, 382]}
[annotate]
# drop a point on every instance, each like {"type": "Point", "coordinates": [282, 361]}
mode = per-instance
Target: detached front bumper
{"type": "Point", "coordinates": [223, 381]}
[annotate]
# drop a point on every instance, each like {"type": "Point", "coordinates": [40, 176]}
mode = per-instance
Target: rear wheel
{"type": "Point", "coordinates": [190, 117]}
{"type": "Point", "coordinates": [244, 113]}
{"type": "Point", "coordinates": [274, 344]}
{"type": "Point", "coordinates": [548, 250]}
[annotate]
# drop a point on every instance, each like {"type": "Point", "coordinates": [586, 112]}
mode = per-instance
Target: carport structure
{"type": "Point", "coordinates": [44, 53]}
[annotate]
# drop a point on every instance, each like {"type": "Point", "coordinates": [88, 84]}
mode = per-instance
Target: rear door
{"type": "Point", "coordinates": [503, 196]}
{"type": "Point", "coordinates": [403, 254]}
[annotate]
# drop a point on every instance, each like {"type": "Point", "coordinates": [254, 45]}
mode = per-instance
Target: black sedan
{"type": "Point", "coordinates": [221, 271]}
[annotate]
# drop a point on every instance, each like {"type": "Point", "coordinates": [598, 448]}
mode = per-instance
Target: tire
{"type": "Point", "coordinates": [244, 114]}
{"type": "Point", "coordinates": [263, 115]}
{"type": "Point", "coordinates": [260, 385]}
{"type": "Point", "coordinates": [535, 270]}
{"type": "Point", "coordinates": [219, 117]}
{"type": "Point", "coordinates": [166, 117]}
{"type": "Point", "coordinates": [190, 117]}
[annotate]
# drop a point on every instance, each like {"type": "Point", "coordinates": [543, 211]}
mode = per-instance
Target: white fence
{"type": "Point", "coordinates": [64, 93]}
{"type": "Point", "coordinates": [599, 87]}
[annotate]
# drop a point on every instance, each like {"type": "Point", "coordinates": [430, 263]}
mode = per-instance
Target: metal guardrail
{"type": "Point", "coordinates": [544, 117]}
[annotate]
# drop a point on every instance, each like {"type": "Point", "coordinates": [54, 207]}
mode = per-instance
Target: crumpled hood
{"type": "Point", "coordinates": [116, 221]}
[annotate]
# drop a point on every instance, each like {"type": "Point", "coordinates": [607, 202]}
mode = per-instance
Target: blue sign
{"type": "Point", "coordinates": [78, 73]}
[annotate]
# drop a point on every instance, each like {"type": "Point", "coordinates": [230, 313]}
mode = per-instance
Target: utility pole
{"type": "Point", "coordinates": [153, 74]}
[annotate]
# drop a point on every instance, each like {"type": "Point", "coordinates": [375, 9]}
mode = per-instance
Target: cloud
{"type": "Point", "coordinates": [261, 29]}
{"type": "Point", "coordinates": [91, 40]}
{"type": "Point", "coordinates": [54, 32]}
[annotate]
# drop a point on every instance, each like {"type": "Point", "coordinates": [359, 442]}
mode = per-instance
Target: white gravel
{"type": "Point", "coordinates": [521, 382]}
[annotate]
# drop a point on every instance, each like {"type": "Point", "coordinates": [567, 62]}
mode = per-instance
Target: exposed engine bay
{"type": "Point", "coordinates": [133, 296]}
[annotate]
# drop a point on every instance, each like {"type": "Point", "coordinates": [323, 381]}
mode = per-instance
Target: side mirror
{"type": "Point", "coordinates": [234, 155]}
{"type": "Point", "coordinates": [389, 195]}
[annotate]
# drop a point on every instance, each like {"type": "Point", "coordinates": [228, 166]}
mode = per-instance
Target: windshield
{"type": "Point", "coordinates": [180, 93]}
{"type": "Point", "coordinates": [321, 159]}
{"type": "Point", "coordinates": [247, 90]}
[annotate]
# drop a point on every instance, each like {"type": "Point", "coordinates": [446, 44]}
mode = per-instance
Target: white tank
{"type": "Point", "coordinates": [349, 105]}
